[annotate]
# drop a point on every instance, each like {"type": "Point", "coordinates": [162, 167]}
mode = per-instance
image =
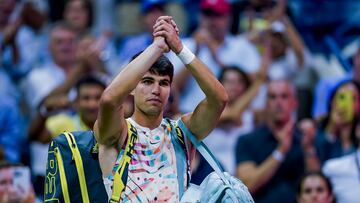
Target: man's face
{"type": "Point", "coordinates": [216, 24]}
{"type": "Point", "coordinates": [6, 181]}
{"type": "Point", "coordinates": [77, 15]}
{"type": "Point", "coordinates": [88, 102]}
{"type": "Point", "coordinates": [63, 46]}
{"type": "Point", "coordinates": [152, 93]}
{"type": "Point", "coordinates": [345, 104]}
{"type": "Point", "coordinates": [314, 190]}
{"type": "Point", "coordinates": [281, 101]}
{"type": "Point", "coordinates": [234, 85]}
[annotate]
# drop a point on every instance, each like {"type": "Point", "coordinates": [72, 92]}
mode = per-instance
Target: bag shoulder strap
{"type": "Point", "coordinates": [178, 140]}
{"type": "Point", "coordinates": [79, 165]}
{"type": "Point", "coordinates": [204, 151]}
{"type": "Point", "coordinates": [121, 173]}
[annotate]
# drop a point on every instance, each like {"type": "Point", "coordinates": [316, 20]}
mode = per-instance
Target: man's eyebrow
{"type": "Point", "coordinates": [147, 78]}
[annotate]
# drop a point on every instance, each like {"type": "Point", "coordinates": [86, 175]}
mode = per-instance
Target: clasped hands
{"type": "Point", "coordinates": [166, 35]}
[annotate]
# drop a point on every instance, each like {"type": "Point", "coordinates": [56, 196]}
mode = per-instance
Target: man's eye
{"type": "Point", "coordinates": [147, 81]}
{"type": "Point", "coordinates": [165, 83]}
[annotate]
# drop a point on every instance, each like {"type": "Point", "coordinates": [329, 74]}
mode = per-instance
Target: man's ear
{"type": "Point", "coordinates": [132, 92]}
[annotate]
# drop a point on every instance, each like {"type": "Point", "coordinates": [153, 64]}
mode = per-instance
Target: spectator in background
{"type": "Point", "coordinates": [18, 27]}
{"type": "Point", "coordinates": [15, 184]}
{"type": "Point", "coordinates": [216, 47]}
{"type": "Point", "coordinates": [273, 157]}
{"type": "Point", "coordinates": [79, 14]}
{"type": "Point", "coordinates": [344, 172]}
{"type": "Point", "coordinates": [42, 80]}
{"type": "Point", "coordinates": [335, 130]}
{"type": "Point", "coordinates": [236, 119]}
{"type": "Point", "coordinates": [88, 92]}
{"type": "Point", "coordinates": [324, 87]}
{"type": "Point", "coordinates": [10, 130]}
{"type": "Point", "coordinates": [315, 187]}
{"type": "Point", "coordinates": [150, 11]}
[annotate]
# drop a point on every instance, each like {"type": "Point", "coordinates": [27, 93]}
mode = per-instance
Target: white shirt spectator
{"type": "Point", "coordinates": [40, 82]}
{"type": "Point", "coordinates": [222, 141]}
{"type": "Point", "coordinates": [344, 174]}
{"type": "Point", "coordinates": [287, 66]}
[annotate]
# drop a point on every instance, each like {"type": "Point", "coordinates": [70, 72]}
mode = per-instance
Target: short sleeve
{"type": "Point", "coordinates": [242, 150]}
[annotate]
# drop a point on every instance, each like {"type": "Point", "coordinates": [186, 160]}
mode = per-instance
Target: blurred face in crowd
{"type": "Point", "coordinates": [345, 104]}
{"type": "Point", "coordinates": [6, 8]}
{"type": "Point", "coordinates": [216, 24]}
{"type": "Point", "coordinates": [6, 180]}
{"type": "Point", "coordinates": [281, 101]}
{"type": "Point", "coordinates": [77, 14]}
{"type": "Point", "coordinates": [151, 16]}
{"type": "Point", "coordinates": [63, 46]}
{"type": "Point", "coordinates": [87, 102]}
{"type": "Point", "coordinates": [234, 84]}
{"type": "Point", "coordinates": [278, 45]}
{"type": "Point", "coordinates": [314, 189]}
{"type": "Point", "coordinates": [152, 93]}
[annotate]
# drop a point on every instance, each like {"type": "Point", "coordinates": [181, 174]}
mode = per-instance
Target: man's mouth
{"type": "Point", "coordinates": [154, 100]}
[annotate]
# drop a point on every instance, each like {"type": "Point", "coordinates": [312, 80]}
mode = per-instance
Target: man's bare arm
{"type": "Point", "coordinates": [110, 127]}
{"type": "Point", "coordinates": [206, 115]}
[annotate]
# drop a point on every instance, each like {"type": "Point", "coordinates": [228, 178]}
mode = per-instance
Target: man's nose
{"type": "Point", "coordinates": [156, 89]}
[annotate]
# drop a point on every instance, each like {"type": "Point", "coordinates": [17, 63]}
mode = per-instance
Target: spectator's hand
{"type": "Point", "coordinates": [165, 27]}
{"type": "Point", "coordinates": [285, 136]}
{"type": "Point", "coordinates": [10, 32]}
{"type": "Point", "coordinates": [308, 130]}
{"type": "Point", "coordinates": [88, 52]}
{"type": "Point", "coordinates": [55, 103]}
{"type": "Point", "coordinates": [32, 17]}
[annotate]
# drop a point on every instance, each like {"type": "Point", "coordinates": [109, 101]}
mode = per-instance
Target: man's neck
{"type": "Point", "coordinates": [276, 125]}
{"type": "Point", "coordinates": [150, 122]}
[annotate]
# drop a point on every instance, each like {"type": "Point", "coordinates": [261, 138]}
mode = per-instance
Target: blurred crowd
{"type": "Point", "coordinates": [291, 128]}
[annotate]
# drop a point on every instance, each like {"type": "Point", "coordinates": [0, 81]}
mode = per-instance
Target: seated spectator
{"type": "Point", "coordinates": [343, 172]}
{"type": "Point", "coordinates": [272, 158]}
{"type": "Point", "coordinates": [315, 187]}
{"type": "Point", "coordinates": [89, 90]}
{"type": "Point", "coordinates": [236, 119]}
{"type": "Point", "coordinates": [150, 11]}
{"type": "Point", "coordinates": [326, 85]}
{"type": "Point", "coordinates": [334, 131]}
{"type": "Point", "coordinates": [15, 184]}
{"type": "Point", "coordinates": [216, 47]}
{"type": "Point", "coordinates": [42, 80]}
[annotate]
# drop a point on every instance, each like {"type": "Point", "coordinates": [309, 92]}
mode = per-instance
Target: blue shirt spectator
{"type": "Point", "coordinates": [10, 129]}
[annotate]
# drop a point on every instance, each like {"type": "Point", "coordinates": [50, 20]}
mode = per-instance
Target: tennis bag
{"type": "Point", "coordinates": [73, 170]}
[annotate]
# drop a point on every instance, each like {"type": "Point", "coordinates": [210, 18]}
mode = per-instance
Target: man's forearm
{"type": "Point", "coordinates": [129, 77]}
{"type": "Point", "coordinates": [208, 83]}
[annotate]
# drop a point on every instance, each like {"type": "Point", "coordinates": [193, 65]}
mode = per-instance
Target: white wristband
{"type": "Point", "coordinates": [186, 56]}
{"type": "Point", "coordinates": [278, 155]}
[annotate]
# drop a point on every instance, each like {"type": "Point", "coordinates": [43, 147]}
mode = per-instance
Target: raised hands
{"type": "Point", "coordinates": [166, 28]}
